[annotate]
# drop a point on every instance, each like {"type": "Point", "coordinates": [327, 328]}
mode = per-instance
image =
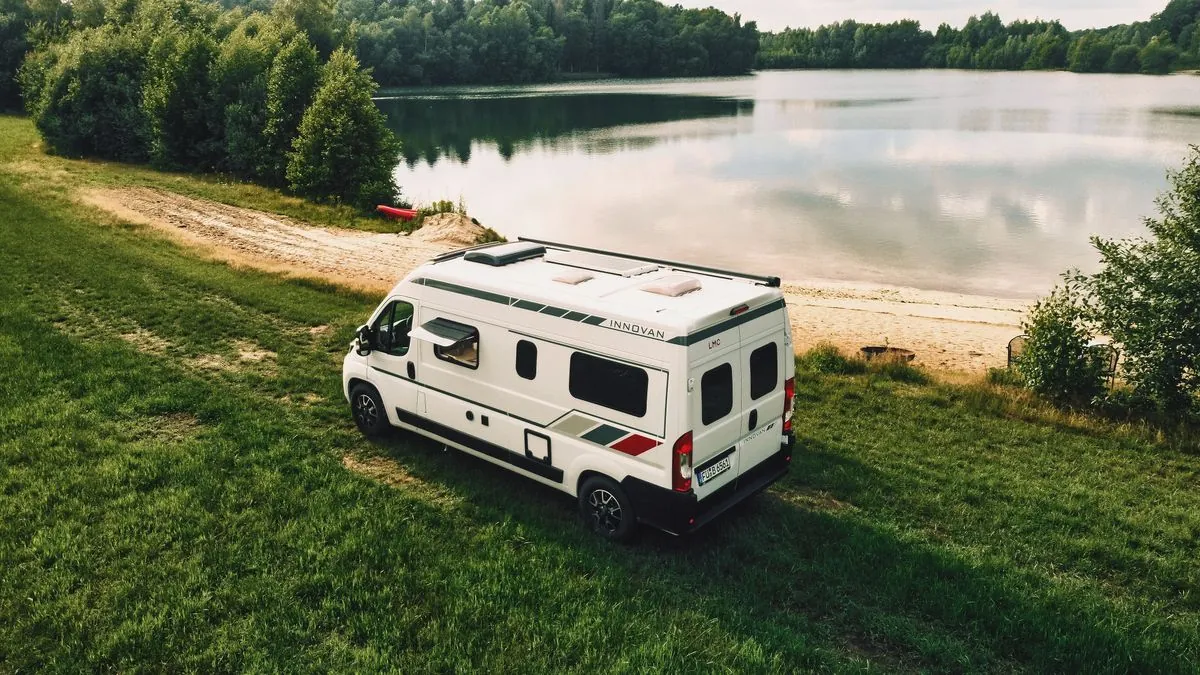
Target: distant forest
{"type": "Point", "coordinates": [1169, 40]}
{"type": "Point", "coordinates": [430, 42]}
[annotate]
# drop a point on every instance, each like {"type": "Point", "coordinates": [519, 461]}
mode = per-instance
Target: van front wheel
{"type": "Point", "coordinates": [605, 509]}
{"type": "Point", "coordinates": [369, 414]}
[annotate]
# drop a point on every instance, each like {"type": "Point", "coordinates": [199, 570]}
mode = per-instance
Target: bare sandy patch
{"type": "Point", "coordinates": [389, 472]}
{"type": "Point", "coordinates": [147, 342]}
{"type": "Point", "coordinates": [168, 427]}
{"type": "Point", "coordinates": [949, 332]}
{"type": "Point", "coordinates": [276, 243]}
{"type": "Point", "coordinates": [816, 500]}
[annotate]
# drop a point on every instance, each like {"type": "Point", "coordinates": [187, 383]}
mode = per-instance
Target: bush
{"type": "Point", "coordinates": [85, 95]}
{"type": "Point", "coordinates": [1056, 362]}
{"type": "Point", "coordinates": [827, 359]}
{"type": "Point", "coordinates": [1147, 297]}
{"type": "Point", "coordinates": [177, 100]}
{"type": "Point", "coordinates": [1005, 377]}
{"type": "Point", "coordinates": [239, 77]}
{"type": "Point", "coordinates": [291, 83]}
{"type": "Point", "coordinates": [344, 151]}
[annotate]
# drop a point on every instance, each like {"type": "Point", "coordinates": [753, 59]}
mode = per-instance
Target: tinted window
{"type": "Point", "coordinates": [464, 352]}
{"type": "Point", "coordinates": [617, 386]}
{"type": "Point", "coordinates": [764, 370]}
{"type": "Point", "coordinates": [526, 359]}
{"type": "Point", "coordinates": [392, 327]}
{"type": "Point", "coordinates": [716, 393]}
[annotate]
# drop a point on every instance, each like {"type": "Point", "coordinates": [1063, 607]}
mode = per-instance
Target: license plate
{"type": "Point", "coordinates": [713, 471]}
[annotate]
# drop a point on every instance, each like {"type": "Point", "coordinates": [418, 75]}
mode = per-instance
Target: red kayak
{"type": "Point", "coordinates": [395, 213]}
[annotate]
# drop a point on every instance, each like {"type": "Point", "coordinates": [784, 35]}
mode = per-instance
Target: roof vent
{"type": "Point", "coordinates": [506, 254]}
{"type": "Point", "coordinates": [574, 276]}
{"type": "Point", "coordinates": [673, 285]}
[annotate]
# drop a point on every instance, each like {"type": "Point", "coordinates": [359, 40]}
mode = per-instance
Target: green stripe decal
{"type": "Point", "coordinates": [590, 320]}
{"type": "Point", "coordinates": [604, 434]}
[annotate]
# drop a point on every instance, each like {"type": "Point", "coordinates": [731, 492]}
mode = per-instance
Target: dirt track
{"type": "Point", "coordinates": [278, 243]}
{"type": "Point", "coordinates": [948, 331]}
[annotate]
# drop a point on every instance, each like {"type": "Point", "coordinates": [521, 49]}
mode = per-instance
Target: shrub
{"type": "Point", "coordinates": [291, 83]}
{"type": "Point", "coordinates": [1147, 297]}
{"type": "Point", "coordinates": [829, 360]}
{"type": "Point", "coordinates": [239, 79]}
{"type": "Point", "coordinates": [344, 151]}
{"type": "Point", "coordinates": [85, 95]}
{"type": "Point", "coordinates": [1005, 377]}
{"type": "Point", "coordinates": [177, 100]}
{"type": "Point", "coordinates": [1056, 362]}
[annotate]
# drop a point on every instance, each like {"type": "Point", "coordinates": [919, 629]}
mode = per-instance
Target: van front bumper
{"type": "Point", "coordinates": [680, 512]}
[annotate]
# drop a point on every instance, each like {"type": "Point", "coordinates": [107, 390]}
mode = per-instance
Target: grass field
{"type": "Point", "coordinates": [181, 487]}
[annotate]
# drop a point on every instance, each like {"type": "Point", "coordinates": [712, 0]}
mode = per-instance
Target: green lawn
{"type": "Point", "coordinates": [174, 495]}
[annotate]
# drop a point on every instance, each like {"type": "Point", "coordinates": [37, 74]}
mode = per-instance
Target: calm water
{"type": "Point", "coordinates": [979, 182]}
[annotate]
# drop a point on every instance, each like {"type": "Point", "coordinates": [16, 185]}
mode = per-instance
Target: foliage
{"type": "Point", "coordinates": [85, 95]}
{"type": "Point", "coordinates": [827, 359]}
{"type": "Point", "coordinates": [1005, 377]}
{"type": "Point", "coordinates": [1147, 297]}
{"type": "Point", "coordinates": [1056, 362]}
{"type": "Point", "coordinates": [344, 150]}
{"type": "Point", "coordinates": [239, 80]}
{"type": "Point", "coordinates": [291, 83]}
{"type": "Point", "coordinates": [1165, 42]}
{"type": "Point", "coordinates": [177, 99]}
{"type": "Point", "coordinates": [179, 84]}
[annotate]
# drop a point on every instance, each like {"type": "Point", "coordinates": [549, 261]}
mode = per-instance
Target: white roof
{"type": "Point", "coordinates": [615, 293]}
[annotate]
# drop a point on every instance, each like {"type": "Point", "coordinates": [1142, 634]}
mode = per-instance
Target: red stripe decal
{"type": "Point", "coordinates": [635, 445]}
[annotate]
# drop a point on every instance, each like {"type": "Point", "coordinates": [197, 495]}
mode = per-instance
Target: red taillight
{"type": "Point", "coordinates": [681, 464]}
{"type": "Point", "coordinates": [789, 397]}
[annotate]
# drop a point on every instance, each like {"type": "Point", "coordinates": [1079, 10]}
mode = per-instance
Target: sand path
{"type": "Point", "coordinates": [948, 331]}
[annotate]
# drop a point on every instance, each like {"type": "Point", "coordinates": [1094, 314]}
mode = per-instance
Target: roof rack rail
{"type": "Point", "coordinates": [459, 252]}
{"type": "Point", "coordinates": [772, 282]}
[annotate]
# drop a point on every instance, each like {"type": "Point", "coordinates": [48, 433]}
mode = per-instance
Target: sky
{"type": "Point", "coordinates": [1074, 14]}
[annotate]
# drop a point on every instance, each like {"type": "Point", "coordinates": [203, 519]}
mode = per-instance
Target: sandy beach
{"type": "Point", "coordinates": [948, 331]}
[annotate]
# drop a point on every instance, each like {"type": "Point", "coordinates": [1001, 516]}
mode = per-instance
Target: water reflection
{"type": "Point", "coordinates": [983, 182]}
{"type": "Point", "coordinates": [432, 127]}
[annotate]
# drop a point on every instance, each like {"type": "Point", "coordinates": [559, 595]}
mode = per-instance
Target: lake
{"type": "Point", "coordinates": [986, 183]}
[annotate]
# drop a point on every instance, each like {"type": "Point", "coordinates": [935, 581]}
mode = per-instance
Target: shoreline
{"type": "Point", "coordinates": [950, 332]}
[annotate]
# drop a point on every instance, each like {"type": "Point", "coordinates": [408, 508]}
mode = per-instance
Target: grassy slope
{"type": "Point", "coordinates": [158, 514]}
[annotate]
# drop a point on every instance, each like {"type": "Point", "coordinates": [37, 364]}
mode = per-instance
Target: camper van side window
{"type": "Point", "coordinates": [614, 385]}
{"type": "Point", "coordinates": [526, 359]}
{"type": "Point", "coordinates": [392, 327]}
{"type": "Point", "coordinates": [463, 353]}
{"type": "Point", "coordinates": [764, 370]}
{"type": "Point", "coordinates": [716, 393]}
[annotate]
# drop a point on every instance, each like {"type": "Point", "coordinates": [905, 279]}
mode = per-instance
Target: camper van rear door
{"type": "Point", "coordinates": [762, 396]}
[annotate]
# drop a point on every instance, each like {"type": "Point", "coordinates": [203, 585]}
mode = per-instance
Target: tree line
{"type": "Point", "coordinates": [1168, 41]}
{"type": "Point", "coordinates": [182, 85]}
{"type": "Point", "coordinates": [429, 42]}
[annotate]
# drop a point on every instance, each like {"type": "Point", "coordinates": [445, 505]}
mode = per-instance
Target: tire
{"type": "Point", "coordinates": [606, 510]}
{"type": "Point", "coordinates": [369, 414]}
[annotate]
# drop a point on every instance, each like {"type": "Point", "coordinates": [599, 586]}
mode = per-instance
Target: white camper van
{"type": "Point", "coordinates": [655, 392]}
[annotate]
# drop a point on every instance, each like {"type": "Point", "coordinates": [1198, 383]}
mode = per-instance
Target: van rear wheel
{"type": "Point", "coordinates": [606, 509]}
{"type": "Point", "coordinates": [369, 414]}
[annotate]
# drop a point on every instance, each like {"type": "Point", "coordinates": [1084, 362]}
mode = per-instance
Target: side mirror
{"type": "Point", "coordinates": [365, 340]}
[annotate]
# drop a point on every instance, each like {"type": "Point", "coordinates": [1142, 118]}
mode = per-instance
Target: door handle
{"type": "Point", "coordinates": [412, 371]}
{"type": "Point", "coordinates": [753, 419]}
